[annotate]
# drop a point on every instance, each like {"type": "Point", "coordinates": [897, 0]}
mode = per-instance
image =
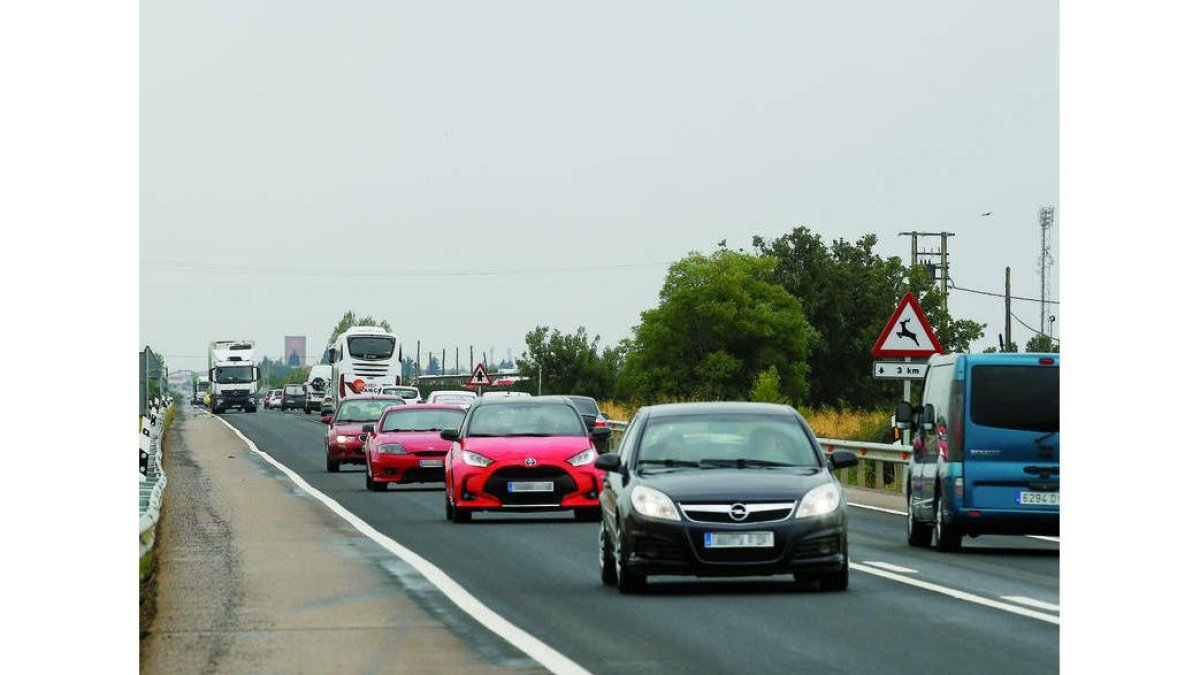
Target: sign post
{"type": "Point", "coordinates": [900, 339]}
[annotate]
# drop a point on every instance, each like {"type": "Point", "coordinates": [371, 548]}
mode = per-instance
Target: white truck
{"type": "Point", "coordinates": [233, 376]}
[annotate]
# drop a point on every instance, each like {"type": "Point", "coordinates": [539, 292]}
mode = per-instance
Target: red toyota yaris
{"type": "Point", "coordinates": [344, 440]}
{"type": "Point", "coordinates": [522, 454]}
{"type": "Point", "coordinates": [406, 446]}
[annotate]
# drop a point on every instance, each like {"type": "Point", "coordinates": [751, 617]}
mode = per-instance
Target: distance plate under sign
{"type": "Point", "coordinates": [898, 370]}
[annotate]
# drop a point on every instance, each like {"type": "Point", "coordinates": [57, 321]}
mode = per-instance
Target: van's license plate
{"type": "Point", "coordinates": [739, 539]}
{"type": "Point", "coordinates": [1038, 498]}
{"type": "Point", "coordinates": [533, 486]}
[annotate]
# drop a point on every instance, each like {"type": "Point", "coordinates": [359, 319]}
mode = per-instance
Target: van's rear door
{"type": "Point", "coordinates": [1011, 434]}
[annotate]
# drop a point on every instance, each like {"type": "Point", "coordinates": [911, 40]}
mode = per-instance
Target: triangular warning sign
{"type": "Point", "coordinates": [907, 333]}
{"type": "Point", "coordinates": [479, 377]}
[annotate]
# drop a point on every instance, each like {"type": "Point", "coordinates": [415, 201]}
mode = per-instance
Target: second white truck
{"type": "Point", "coordinates": [233, 376]}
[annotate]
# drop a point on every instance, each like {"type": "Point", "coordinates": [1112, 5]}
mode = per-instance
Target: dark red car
{"type": "Point", "coordinates": [522, 454]}
{"type": "Point", "coordinates": [344, 440]}
{"type": "Point", "coordinates": [406, 446]}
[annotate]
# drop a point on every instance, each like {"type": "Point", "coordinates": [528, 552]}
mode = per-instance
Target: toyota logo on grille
{"type": "Point", "coordinates": [529, 461]}
{"type": "Point", "coordinates": [738, 512]}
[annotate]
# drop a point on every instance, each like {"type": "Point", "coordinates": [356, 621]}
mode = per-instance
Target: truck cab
{"type": "Point", "coordinates": [233, 376]}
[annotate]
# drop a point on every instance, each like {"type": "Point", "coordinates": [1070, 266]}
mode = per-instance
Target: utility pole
{"type": "Point", "coordinates": [1007, 308]}
{"type": "Point", "coordinates": [1046, 221]}
{"type": "Point", "coordinates": [456, 370]}
{"type": "Point", "coordinates": [442, 363]}
{"type": "Point", "coordinates": [943, 257]}
{"type": "Point", "coordinates": [417, 362]}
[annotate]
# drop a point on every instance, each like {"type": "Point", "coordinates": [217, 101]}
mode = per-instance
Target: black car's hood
{"type": "Point", "coordinates": [730, 485]}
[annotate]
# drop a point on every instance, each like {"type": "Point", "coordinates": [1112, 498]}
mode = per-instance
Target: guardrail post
{"type": "Point", "coordinates": [878, 474]}
{"type": "Point", "coordinates": [862, 474]}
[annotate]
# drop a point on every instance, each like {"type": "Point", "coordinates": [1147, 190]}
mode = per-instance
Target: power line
{"type": "Point", "coordinates": [1032, 328]}
{"type": "Point", "coordinates": [219, 268]}
{"type": "Point", "coordinates": [997, 295]}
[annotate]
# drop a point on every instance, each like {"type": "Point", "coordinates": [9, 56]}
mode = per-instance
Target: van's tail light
{"type": "Point", "coordinates": [958, 487]}
{"type": "Point", "coordinates": [1046, 361]}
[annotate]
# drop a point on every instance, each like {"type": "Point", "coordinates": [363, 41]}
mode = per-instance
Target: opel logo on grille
{"type": "Point", "coordinates": [530, 461]}
{"type": "Point", "coordinates": [738, 512]}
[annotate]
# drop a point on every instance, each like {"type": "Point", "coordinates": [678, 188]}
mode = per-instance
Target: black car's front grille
{"type": "Point", "coordinates": [497, 485]}
{"type": "Point", "coordinates": [736, 555]}
{"type": "Point", "coordinates": [754, 516]}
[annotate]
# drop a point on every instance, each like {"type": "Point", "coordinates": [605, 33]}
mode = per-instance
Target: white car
{"type": "Point", "coordinates": [409, 394]}
{"type": "Point", "coordinates": [453, 397]}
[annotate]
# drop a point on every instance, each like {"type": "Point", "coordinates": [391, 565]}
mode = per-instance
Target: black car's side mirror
{"type": "Point", "coordinates": [601, 432]}
{"type": "Point", "coordinates": [368, 428]}
{"type": "Point", "coordinates": [904, 415]}
{"type": "Point", "coordinates": [450, 434]}
{"type": "Point", "coordinates": [842, 459]}
{"type": "Point", "coordinates": [609, 461]}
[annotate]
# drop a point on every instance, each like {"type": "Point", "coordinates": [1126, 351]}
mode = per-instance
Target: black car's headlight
{"type": "Point", "coordinates": [653, 504]}
{"type": "Point", "coordinates": [820, 501]}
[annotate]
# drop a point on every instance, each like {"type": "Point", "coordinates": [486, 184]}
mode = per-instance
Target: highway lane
{"type": "Point", "coordinates": [540, 572]}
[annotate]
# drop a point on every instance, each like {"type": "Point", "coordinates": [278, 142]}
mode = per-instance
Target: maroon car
{"type": "Point", "coordinates": [344, 440]}
{"type": "Point", "coordinates": [406, 445]}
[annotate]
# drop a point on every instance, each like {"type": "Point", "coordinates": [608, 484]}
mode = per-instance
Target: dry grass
{"type": "Point", "coordinates": [855, 425]}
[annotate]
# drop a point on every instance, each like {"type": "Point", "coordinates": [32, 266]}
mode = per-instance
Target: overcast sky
{"type": "Point", "coordinates": [286, 144]}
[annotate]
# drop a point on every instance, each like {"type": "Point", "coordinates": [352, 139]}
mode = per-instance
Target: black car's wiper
{"type": "Point", "coordinates": [669, 463]}
{"type": "Point", "coordinates": [742, 463]}
{"type": "Point", "coordinates": [1040, 439]}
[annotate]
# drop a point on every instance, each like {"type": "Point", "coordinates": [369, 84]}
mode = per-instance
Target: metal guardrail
{"type": "Point", "coordinates": [153, 481]}
{"type": "Point", "coordinates": [873, 460]}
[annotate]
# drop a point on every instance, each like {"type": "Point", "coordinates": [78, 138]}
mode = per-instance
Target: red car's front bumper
{"type": "Point", "coordinates": [491, 488]}
{"type": "Point", "coordinates": [422, 467]}
{"type": "Point", "coordinates": [350, 452]}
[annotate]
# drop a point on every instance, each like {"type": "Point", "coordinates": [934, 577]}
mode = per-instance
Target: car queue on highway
{"type": "Point", "coordinates": [712, 489]}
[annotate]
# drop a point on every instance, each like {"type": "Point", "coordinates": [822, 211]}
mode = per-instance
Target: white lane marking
{"type": "Point", "coordinates": [890, 567]}
{"type": "Point", "coordinates": [960, 595]}
{"type": "Point", "coordinates": [1031, 602]}
{"type": "Point", "coordinates": [877, 508]}
{"type": "Point", "coordinates": [905, 514]}
{"type": "Point", "coordinates": [544, 654]}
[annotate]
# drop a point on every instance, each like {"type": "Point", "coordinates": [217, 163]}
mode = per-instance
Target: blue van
{"type": "Point", "coordinates": [985, 448]}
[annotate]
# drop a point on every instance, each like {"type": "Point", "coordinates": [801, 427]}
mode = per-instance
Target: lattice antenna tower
{"type": "Point", "coordinates": [1045, 221]}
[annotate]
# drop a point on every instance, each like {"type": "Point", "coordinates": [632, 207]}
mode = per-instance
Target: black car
{"type": "Point", "coordinates": [722, 489]}
{"type": "Point", "coordinates": [589, 411]}
{"type": "Point", "coordinates": [294, 397]}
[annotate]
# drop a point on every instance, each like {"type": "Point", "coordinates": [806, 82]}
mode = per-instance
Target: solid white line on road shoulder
{"type": "Point", "coordinates": [1031, 602]}
{"type": "Point", "coordinates": [544, 654]}
{"type": "Point", "coordinates": [877, 508]}
{"type": "Point", "coordinates": [905, 514]}
{"type": "Point", "coordinates": [960, 595]}
{"type": "Point", "coordinates": [889, 567]}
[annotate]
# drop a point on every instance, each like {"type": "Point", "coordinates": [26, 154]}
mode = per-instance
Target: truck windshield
{"type": "Point", "coordinates": [370, 347]}
{"type": "Point", "coordinates": [234, 374]}
{"type": "Point", "coordinates": [1015, 397]}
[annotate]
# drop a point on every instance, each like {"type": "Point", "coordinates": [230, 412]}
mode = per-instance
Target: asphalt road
{"type": "Point", "coordinates": [540, 572]}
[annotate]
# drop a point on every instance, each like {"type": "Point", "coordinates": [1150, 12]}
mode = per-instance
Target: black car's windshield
{"type": "Point", "coordinates": [526, 419]}
{"type": "Point", "coordinates": [422, 420]}
{"type": "Point", "coordinates": [367, 410]}
{"type": "Point", "coordinates": [294, 390]}
{"type": "Point", "coordinates": [733, 440]}
{"type": "Point", "coordinates": [585, 405]}
{"type": "Point", "coordinates": [234, 374]}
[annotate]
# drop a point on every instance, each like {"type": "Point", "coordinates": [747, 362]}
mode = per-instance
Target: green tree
{"type": "Point", "coordinates": [720, 321]}
{"type": "Point", "coordinates": [1041, 343]}
{"type": "Point", "coordinates": [849, 293]}
{"type": "Point", "coordinates": [349, 320]}
{"type": "Point", "coordinates": [570, 363]}
{"type": "Point", "coordinates": [766, 388]}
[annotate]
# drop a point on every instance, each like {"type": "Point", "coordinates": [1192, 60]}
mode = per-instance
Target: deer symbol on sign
{"type": "Point", "coordinates": [905, 332]}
